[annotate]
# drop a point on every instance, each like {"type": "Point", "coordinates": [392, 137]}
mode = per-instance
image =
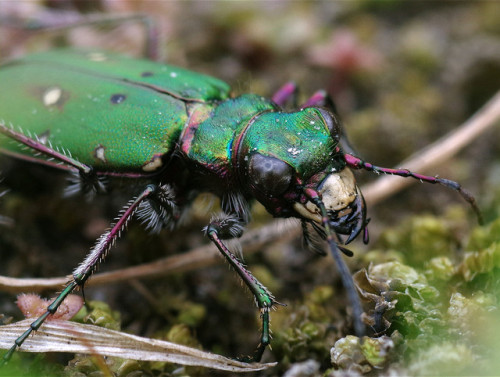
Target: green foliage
{"type": "Point", "coordinates": [101, 315]}
{"type": "Point", "coordinates": [299, 336]}
{"type": "Point", "coordinates": [445, 310]}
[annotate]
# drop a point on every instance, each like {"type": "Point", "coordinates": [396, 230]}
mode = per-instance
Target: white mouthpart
{"type": "Point", "coordinates": [337, 192]}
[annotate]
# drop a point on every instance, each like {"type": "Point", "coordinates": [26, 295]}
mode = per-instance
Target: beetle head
{"type": "Point", "coordinates": [289, 161]}
{"type": "Point", "coordinates": [293, 165]}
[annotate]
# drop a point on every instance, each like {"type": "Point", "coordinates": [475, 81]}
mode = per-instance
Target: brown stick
{"type": "Point", "coordinates": [434, 154]}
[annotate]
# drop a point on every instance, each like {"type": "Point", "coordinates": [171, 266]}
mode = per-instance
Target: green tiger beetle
{"type": "Point", "coordinates": [101, 115]}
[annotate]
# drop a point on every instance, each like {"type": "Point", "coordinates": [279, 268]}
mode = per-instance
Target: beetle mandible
{"type": "Point", "coordinates": [101, 115]}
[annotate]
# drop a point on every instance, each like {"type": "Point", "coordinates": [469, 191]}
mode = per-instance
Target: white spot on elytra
{"type": "Point", "coordinates": [51, 96]}
{"type": "Point", "coordinates": [153, 165]}
{"type": "Point", "coordinates": [99, 153]}
{"type": "Point", "coordinates": [173, 74]}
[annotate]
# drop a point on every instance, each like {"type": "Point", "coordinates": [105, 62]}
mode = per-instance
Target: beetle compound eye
{"type": "Point", "coordinates": [332, 121]}
{"type": "Point", "coordinates": [269, 174]}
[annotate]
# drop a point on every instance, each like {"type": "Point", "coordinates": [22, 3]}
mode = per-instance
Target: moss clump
{"type": "Point", "coordinates": [351, 353]}
{"type": "Point", "coordinates": [444, 311]}
{"type": "Point", "coordinates": [101, 315]}
{"type": "Point", "coordinates": [299, 333]}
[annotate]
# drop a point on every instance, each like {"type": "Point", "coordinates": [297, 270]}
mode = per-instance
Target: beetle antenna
{"type": "Point", "coordinates": [345, 274]}
{"type": "Point", "coordinates": [356, 163]}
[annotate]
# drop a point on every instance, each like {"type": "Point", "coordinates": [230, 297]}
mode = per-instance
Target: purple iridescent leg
{"type": "Point", "coordinates": [322, 99]}
{"type": "Point", "coordinates": [229, 227]}
{"type": "Point", "coordinates": [87, 268]}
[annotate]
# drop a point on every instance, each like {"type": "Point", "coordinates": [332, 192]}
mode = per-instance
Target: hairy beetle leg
{"type": "Point", "coordinates": [84, 178]}
{"type": "Point", "coordinates": [357, 163]}
{"type": "Point", "coordinates": [230, 227]}
{"type": "Point", "coordinates": [45, 148]}
{"type": "Point", "coordinates": [87, 267]}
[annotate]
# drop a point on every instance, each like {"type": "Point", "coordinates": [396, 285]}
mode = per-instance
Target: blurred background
{"type": "Point", "coordinates": [402, 74]}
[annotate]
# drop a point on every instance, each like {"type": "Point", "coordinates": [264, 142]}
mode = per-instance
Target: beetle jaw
{"type": "Point", "coordinates": [343, 201]}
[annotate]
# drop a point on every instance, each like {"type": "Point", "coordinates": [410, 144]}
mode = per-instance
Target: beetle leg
{"type": "Point", "coordinates": [85, 179]}
{"type": "Point", "coordinates": [44, 148]}
{"type": "Point", "coordinates": [287, 93]}
{"type": "Point", "coordinates": [357, 163]}
{"type": "Point", "coordinates": [87, 267]}
{"type": "Point", "coordinates": [160, 210]}
{"type": "Point", "coordinates": [86, 183]}
{"type": "Point", "coordinates": [342, 268]}
{"type": "Point", "coordinates": [320, 99]}
{"type": "Point", "coordinates": [230, 227]}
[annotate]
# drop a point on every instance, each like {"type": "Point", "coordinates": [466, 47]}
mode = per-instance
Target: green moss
{"type": "Point", "coordinates": [181, 334]}
{"type": "Point", "coordinates": [421, 238]}
{"type": "Point", "coordinates": [101, 315]}
{"type": "Point", "coordinates": [301, 330]}
{"type": "Point", "coordinates": [372, 353]}
{"type": "Point", "coordinates": [444, 308]}
{"type": "Point", "coordinates": [439, 269]}
{"type": "Point", "coordinates": [444, 359]}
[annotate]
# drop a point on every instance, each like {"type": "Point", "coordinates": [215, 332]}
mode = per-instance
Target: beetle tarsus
{"type": "Point", "coordinates": [263, 297]}
{"type": "Point", "coordinates": [264, 341]}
